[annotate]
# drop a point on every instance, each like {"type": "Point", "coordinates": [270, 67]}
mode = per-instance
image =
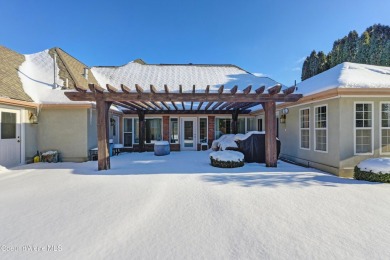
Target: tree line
{"type": "Point", "coordinates": [372, 47]}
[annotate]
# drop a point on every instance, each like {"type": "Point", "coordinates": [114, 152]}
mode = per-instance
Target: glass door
{"type": "Point", "coordinates": [188, 135]}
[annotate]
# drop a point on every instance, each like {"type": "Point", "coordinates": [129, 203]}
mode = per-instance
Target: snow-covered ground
{"type": "Point", "coordinates": [179, 207]}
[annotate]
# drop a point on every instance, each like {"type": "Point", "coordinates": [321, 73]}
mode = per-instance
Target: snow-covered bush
{"type": "Point", "coordinates": [374, 169]}
{"type": "Point", "coordinates": [227, 159]}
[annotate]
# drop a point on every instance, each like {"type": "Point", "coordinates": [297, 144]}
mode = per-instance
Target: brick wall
{"type": "Point", "coordinates": [211, 127]}
{"type": "Point", "coordinates": [166, 128]}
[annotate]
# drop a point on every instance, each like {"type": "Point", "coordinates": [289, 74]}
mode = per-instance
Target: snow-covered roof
{"type": "Point", "coordinates": [347, 75]}
{"type": "Point", "coordinates": [174, 75]}
{"type": "Point", "coordinates": [37, 76]}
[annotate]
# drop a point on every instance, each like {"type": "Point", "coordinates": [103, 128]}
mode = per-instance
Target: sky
{"type": "Point", "coordinates": [268, 37]}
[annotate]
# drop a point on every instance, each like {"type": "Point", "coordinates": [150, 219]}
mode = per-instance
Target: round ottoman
{"type": "Point", "coordinates": [161, 148]}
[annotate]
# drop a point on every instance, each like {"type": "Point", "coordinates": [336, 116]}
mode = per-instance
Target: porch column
{"type": "Point", "coordinates": [235, 121]}
{"type": "Point", "coordinates": [270, 134]}
{"type": "Point", "coordinates": [141, 131]}
{"type": "Point", "coordinates": [102, 108]}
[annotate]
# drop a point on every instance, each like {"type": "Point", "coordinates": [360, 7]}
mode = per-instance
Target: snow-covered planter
{"type": "Point", "coordinates": [374, 169]}
{"type": "Point", "coordinates": [49, 156]}
{"type": "Point", "coordinates": [227, 159]}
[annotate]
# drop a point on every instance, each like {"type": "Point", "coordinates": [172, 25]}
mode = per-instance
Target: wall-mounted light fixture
{"type": "Point", "coordinates": [32, 117]}
{"type": "Point", "coordinates": [283, 116]}
{"type": "Point", "coordinates": [282, 119]}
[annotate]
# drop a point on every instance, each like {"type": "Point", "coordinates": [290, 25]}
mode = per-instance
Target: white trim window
{"type": "Point", "coordinates": [363, 128]}
{"type": "Point", "coordinates": [174, 130]}
{"type": "Point", "coordinates": [321, 128]}
{"type": "Point", "coordinates": [203, 130]}
{"type": "Point", "coordinates": [304, 125]}
{"type": "Point", "coordinates": [128, 132]}
{"type": "Point", "coordinates": [153, 130]}
{"type": "Point", "coordinates": [385, 128]}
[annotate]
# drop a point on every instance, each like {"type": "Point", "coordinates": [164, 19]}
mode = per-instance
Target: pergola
{"type": "Point", "coordinates": [141, 102]}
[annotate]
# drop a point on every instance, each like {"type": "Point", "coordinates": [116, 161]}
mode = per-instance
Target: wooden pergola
{"type": "Point", "coordinates": [143, 102]}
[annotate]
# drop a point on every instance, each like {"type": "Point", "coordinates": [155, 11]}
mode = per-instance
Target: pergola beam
{"type": "Point", "coordinates": [185, 97]}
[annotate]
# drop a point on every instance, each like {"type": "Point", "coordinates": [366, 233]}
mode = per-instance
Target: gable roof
{"type": "Point", "coordinates": [347, 75]}
{"type": "Point", "coordinates": [174, 75]}
{"type": "Point", "coordinates": [37, 76]}
{"type": "Point", "coordinates": [10, 84]}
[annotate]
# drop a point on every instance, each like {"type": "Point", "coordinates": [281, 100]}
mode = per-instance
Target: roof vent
{"type": "Point", "coordinates": [86, 73]}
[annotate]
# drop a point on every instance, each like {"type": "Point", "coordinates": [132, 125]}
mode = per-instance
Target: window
{"type": "Point", "coordinates": [260, 124]}
{"type": "Point", "coordinates": [385, 128]}
{"type": "Point", "coordinates": [202, 130]}
{"type": "Point", "coordinates": [8, 125]}
{"type": "Point", "coordinates": [174, 131]}
{"type": "Point", "coordinates": [250, 124]}
{"type": "Point", "coordinates": [152, 130]}
{"type": "Point", "coordinates": [241, 126]}
{"type": "Point", "coordinates": [128, 132]}
{"type": "Point", "coordinates": [320, 129]}
{"type": "Point", "coordinates": [222, 126]}
{"type": "Point", "coordinates": [305, 128]}
{"type": "Point", "coordinates": [363, 128]}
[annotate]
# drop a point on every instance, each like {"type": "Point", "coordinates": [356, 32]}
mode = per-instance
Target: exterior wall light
{"type": "Point", "coordinates": [32, 118]}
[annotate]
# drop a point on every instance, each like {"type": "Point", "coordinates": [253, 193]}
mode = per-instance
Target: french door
{"type": "Point", "coordinates": [188, 134]}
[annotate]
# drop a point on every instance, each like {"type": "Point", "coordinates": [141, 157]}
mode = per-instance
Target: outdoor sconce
{"type": "Point", "coordinates": [33, 118]}
{"type": "Point", "coordinates": [284, 112]}
{"type": "Point", "coordinates": [283, 119]}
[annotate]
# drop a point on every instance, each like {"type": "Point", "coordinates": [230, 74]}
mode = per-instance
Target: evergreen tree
{"type": "Point", "coordinates": [372, 47]}
{"type": "Point", "coordinates": [364, 48]}
{"type": "Point", "coordinates": [305, 69]}
{"type": "Point", "coordinates": [322, 62]}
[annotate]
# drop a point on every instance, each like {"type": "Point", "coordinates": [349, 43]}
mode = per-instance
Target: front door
{"type": "Point", "coordinates": [9, 137]}
{"type": "Point", "coordinates": [188, 134]}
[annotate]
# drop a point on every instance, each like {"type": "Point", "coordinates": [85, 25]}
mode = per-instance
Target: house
{"type": "Point", "coordinates": [343, 118]}
{"type": "Point", "coordinates": [37, 115]}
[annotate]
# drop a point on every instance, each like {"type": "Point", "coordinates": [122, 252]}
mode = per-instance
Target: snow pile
{"type": "Point", "coordinates": [175, 75]}
{"type": "Point", "coordinates": [180, 207]}
{"type": "Point", "coordinates": [37, 76]}
{"type": "Point", "coordinates": [247, 135]}
{"type": "Point", "coordinates": [227, 156]}
{"type": "Point", "coordinates": [3, 169]}
{"type": "Point", "coordinates": [347, 75]}
{"type": "Point", "coordinates": [161, 143]}
{"type": "Point", "coordinates": [223, 142]}
{"type": "Point", "coordinates": [49, 153]}
{"type": "Point", "coordinates": [375, 165]}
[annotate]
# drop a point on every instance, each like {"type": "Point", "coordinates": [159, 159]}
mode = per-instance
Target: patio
{"type": "Point", "coordinates": [179, 207]}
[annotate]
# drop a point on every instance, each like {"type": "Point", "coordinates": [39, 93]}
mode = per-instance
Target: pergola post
{"type": "Point", "coordinates": [235, 121]}
{"type": "Point", "coordinates": [141, 130]}
{"type": "Point", "coordinates": [270, 134]}
{"type": "Point", "coordinates": [102, 108]}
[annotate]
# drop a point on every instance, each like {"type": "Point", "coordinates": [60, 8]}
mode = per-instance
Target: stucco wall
{"type": "Point", "coordinates": [92, 130]}
{"type": "Point", "coordinates": [31, 137]}
{"type": "Point", "coordinates": [290, 140]}
{"type": "Point", "coordinates": [64, 130]}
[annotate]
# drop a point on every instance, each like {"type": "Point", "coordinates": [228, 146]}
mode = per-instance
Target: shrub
{"type": "Point", "coordinates": [371, 176]}
{"type": "Point", "coordinates": [226, 164]}
{"type": "Point", "coordinates": [227, 159]}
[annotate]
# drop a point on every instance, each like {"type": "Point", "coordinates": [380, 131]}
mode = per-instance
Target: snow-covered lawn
{"type": "Point", "coordinates": [179, 207]}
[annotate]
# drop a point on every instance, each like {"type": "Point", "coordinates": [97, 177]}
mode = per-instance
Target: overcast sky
{"type": "Point", "coordinates": [269, 37]}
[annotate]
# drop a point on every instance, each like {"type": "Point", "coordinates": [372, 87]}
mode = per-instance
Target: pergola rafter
{"type": "Point", "coordinates": [156, 102]}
